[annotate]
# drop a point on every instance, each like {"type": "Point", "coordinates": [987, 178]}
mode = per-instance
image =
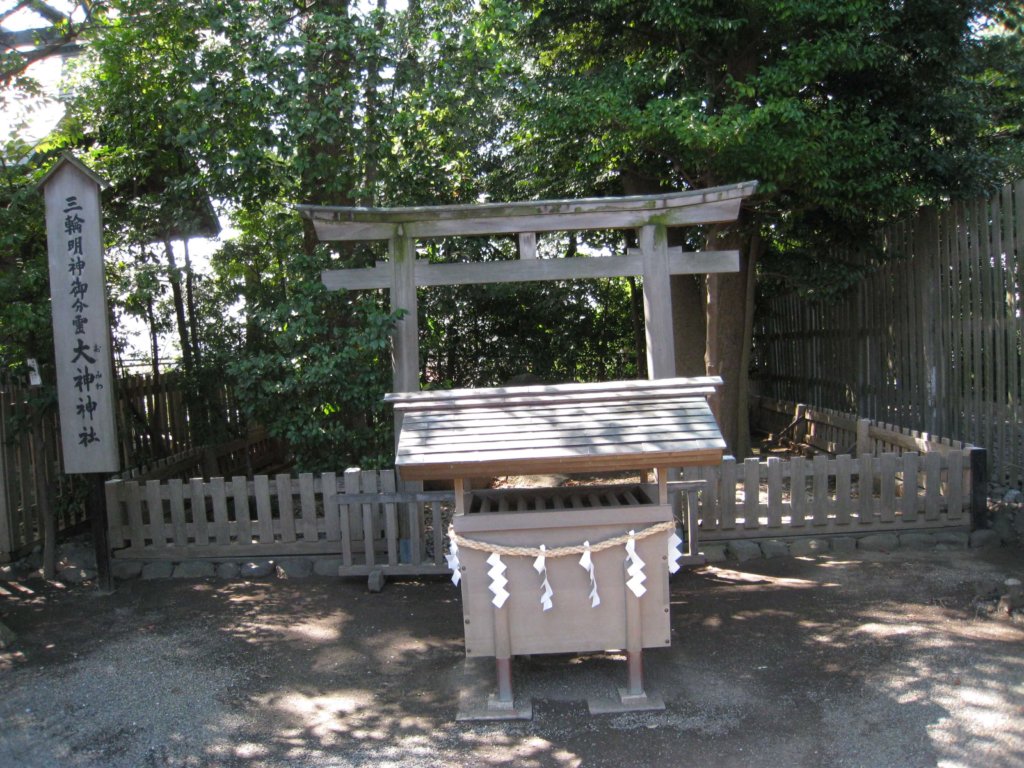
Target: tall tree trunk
{"type": "Point", "coordinates": [174, 277]}
{"type": "Point", "coordinates": [636, 312]}
{"type": "Point", "coordinates": [371, 101]}
{"type": "Point", "coordinates": [154, 340]}
{"type": "Point", "coordinates": [729, 306]}
{"type": "Point", "coordinates": [330, 74]}
{"type": "Point", "coordinates": [190, 303]}
{"type": "Point", "coordinates": [155, 423]}
{"type": "Point", "coordinates": [689, 323]}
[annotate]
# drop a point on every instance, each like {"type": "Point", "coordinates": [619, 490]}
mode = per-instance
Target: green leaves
{"type": "Point", "coordinates": [846, 112]}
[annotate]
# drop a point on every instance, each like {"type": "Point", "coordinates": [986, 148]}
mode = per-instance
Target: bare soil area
{"type": "Point", "coordinates": [874, 660]}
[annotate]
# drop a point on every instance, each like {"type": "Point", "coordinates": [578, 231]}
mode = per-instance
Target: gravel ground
{"type": "Point", "coordinates": [873, 660]}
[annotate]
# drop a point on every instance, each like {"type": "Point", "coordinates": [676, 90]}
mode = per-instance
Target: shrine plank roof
{"type": "Point", "coordinates": [572, 428]}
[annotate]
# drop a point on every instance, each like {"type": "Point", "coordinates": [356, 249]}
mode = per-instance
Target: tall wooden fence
{"type": "Point", "coordinates": [157, 437]}
{"type": "Point", "coordinates": [30, 460]}
{"type": "Point", "coordinates": [155, 419]}
{"type": "Point", "coordinates": [932, 340]}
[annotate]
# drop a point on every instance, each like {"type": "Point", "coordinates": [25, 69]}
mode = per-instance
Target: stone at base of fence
{"type": "Point", "coordinates": [752, 549]}
{"type": "Point", "coordinates": [718, 552]}
{"type": "Point", "coordinates": [282, 568]}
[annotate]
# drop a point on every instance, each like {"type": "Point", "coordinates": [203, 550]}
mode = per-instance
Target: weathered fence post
{"type": "Point", "coordinates": [112, 497]}
{"type": "Point", "coordinates": [800, 423]}
{"type": "Point", "coordinates": [925, 264]}
{"type": "Point", "coordinates": [863, 440]}
{"type": "Point", "coordinates": [978, 459]}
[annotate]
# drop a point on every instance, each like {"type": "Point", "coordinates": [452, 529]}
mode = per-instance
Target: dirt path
{"type": "Point", "coordinates": [880, 660]}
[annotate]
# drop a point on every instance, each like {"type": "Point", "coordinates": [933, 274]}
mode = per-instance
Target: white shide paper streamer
{"type": "Point", "coordinates": [635, 567]}
{"type": "Point", "coordinates": [453, 562]}
{"type": "Point", "coordinates": [540, 566]}
{"type": "Point", "coordinates": [498, 580]}
{"type": "Point", "coordinates": [587, 563]}
{"type": "Point", "coordinates": [675, 554]}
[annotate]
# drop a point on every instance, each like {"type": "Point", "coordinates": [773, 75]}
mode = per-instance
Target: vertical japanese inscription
{"type": "Point", "coordinates": [81, 336]}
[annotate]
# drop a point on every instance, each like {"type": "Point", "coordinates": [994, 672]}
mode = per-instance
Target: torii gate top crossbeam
{"type": "Point", "coordinates": [703, 206]}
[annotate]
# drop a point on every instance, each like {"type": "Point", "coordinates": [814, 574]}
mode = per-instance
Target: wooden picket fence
{"type": "Point", "coordinates": [841, 495]}
{"type": "Point", "coordinates": [31, 458]}
{"type": "Point", "coordinates": [30, 461]}
{"type": "Point", "coordinates": [869, 477]}
{"type": "Point", "coordinates": [363, 521]}
{"type": "Point", "coordinates": [359, 517]}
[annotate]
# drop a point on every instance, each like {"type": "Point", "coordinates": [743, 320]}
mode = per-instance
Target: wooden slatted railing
{"type": "Point", "coordinates": [824, 496]}
{"type": "Point", "coordinates": [359, 516]}
{"type": "Point", "coordinates": [835, 432]}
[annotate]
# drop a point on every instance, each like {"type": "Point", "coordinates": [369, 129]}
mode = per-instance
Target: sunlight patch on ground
{"type": "Point", "coordinates": [320, 630]}
{"type": "Point", "coordinates": [832, 563]}
{"type": "Point", "coordinates": [326, 716]}
{"type": "Point", "coordinates": [493, 748]}
{"type": "Point", "coordinates": [888, 629]}
{"type": "Point", "coordinates": [892, 621]}
{"type": "Point", "coordinates": [326, 629]}
{"type": "Point", "coordinates": [395, 651]}
{"type": "Point", "coordinates": [741, 577]}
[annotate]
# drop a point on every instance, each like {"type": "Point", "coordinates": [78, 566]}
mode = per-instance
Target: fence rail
{"type": "Point", "coordinates": [246, 455]}
{"type": "Point", "coordinates": [932, 339]}
{"type": "Point", "coordinates": [835, 432]}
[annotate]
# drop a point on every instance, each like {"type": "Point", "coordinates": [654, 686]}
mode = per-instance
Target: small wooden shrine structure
{"type": "Point", "coordinates": [586, 568]}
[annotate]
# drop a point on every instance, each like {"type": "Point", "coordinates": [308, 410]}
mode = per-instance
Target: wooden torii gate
{"type": "Point", "coordinates": [654, 260]}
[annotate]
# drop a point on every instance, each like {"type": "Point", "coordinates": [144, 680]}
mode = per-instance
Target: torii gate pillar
{"type": "Point", "coordinates": [405, 345]}
{"type": "Point", "coordinates": [405, 342]}
{"type": "Point", "coordinates": [657, 287]}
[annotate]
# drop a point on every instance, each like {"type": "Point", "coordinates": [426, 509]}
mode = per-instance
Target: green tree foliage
{"type": "Point", "coordinates": [313, 365]}
{"type": "Point", "coordinates": [252, 106]}
{"type": "Point", "coordinates": [847, 113]}
{"type": "Point", "coordinates": [488, 335]}
{"type": "Point", "coordinates": [25, 327]}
